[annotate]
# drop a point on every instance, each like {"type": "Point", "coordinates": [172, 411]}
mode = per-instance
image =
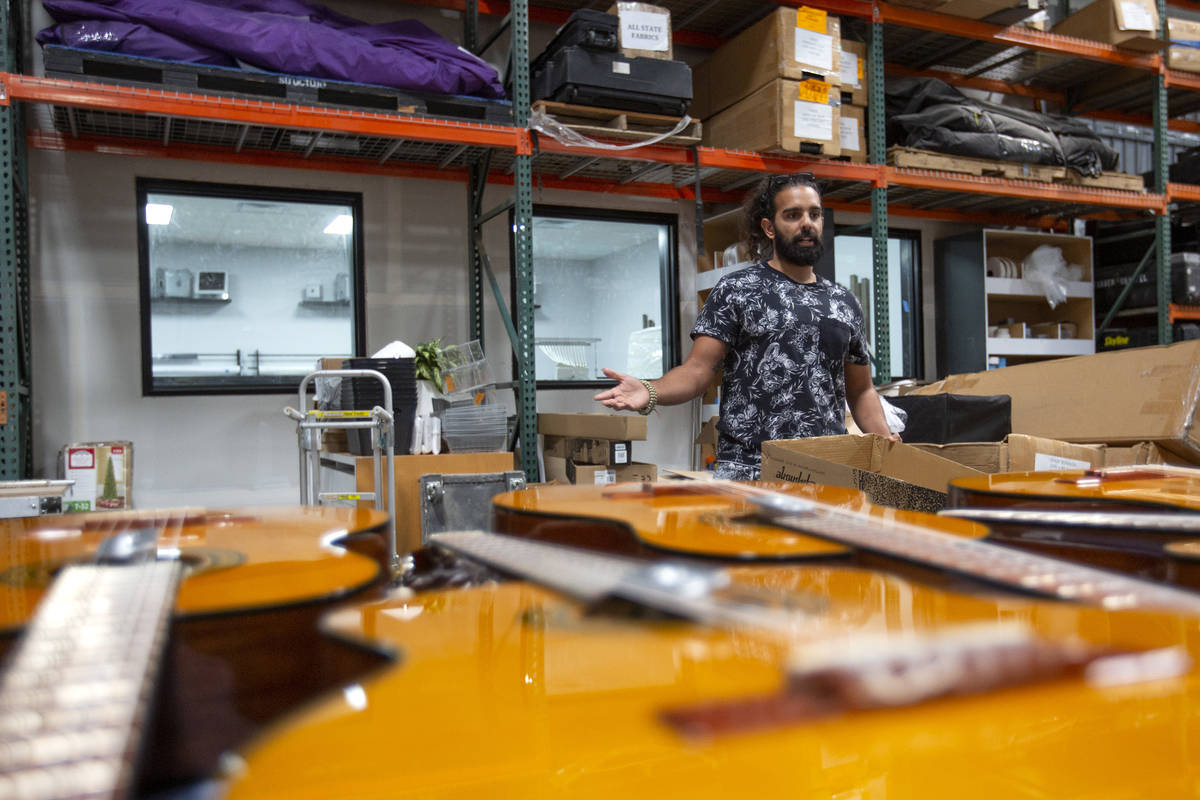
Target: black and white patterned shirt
{"type": "Point", "coordinates": [784, 374]}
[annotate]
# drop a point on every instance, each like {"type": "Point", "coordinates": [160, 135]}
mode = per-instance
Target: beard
{"type": "Point", "coordinates": [801, 255]}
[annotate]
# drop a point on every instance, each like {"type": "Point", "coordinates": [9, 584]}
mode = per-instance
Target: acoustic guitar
{"type": "Point", "coordinates": [1140, 520]}
{"type": "Point", "coordinates": [516, 690]}
{"type": "Point", "coordinates": [224, 605]}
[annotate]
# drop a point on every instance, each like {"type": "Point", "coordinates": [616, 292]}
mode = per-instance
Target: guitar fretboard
{"type": "Point", "coordinates": [982, 560]}
{"type": "Point", "coordinates": [75, 692]}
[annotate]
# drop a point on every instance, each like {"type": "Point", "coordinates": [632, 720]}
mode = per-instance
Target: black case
{"type": "Point", "coordinates": [587, 77]}
{"type": "Point", "coordinates": [594, 30]}
{"type": "Point", "coordinates": [946, 418]}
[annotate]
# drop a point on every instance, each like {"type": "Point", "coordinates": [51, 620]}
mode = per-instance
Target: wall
{"type": "Point", "coordinates": [239, 449]}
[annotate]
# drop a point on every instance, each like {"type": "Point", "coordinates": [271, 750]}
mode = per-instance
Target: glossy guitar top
{"type": "Point", "coordinates": [704, 519]}
{"type": "Point", "coordinates": [1147, 488]}
{"type": "Point", "coordinates": [511, 691]}
{"type": "Point", "coordinates": [237, 560]}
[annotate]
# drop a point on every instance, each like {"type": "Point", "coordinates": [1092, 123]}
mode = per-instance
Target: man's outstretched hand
{"type": "Point", "coordinates": [628, 395]}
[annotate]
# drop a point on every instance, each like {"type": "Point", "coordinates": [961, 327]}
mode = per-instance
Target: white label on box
{"type": "Point", "coordinates": [813, 120]}
{"type": "Point", "coordinates": [814, 49]}
{"type": "Point", "coordinates": [621, 67]}
{"type": "Point", "coordinates": [620, 453]}
{"type": "Point", "coordinates": [604, 476]}
{"type": "Point", "coordinates": [646, 30]}
{"type": "Point", "coordinates": [849, 69]}
{"type": "Point", "coordinates": [1043, 461]}
{"type": "Point", "coordinates": [849, 133]}
{"type": "Point", "coordinates": [1136, 17]}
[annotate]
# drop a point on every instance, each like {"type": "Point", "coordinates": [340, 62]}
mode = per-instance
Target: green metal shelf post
{"type": "Point", "coordinates": [1162, 222]}
{"type": "Point", "coordinates": [876, 152]}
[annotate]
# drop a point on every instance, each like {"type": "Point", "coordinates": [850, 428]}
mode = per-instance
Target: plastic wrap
{"type": "Point", "coordinates": [542, 122]}
{"type": "Point", "coordinates": [1046, 268]}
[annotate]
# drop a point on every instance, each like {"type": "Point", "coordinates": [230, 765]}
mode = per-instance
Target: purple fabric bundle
{"type": "Point", "coordinates": [288, 36]}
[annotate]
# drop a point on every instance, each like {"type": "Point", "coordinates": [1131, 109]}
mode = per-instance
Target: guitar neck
{"type": "Point", "coordinates": [75, 694]}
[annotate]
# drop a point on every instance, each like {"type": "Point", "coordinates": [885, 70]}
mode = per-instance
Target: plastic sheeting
{"type": "Point", "coordinates": [929, 114]}
{"type": "Point", "coordinates": [288, 36]}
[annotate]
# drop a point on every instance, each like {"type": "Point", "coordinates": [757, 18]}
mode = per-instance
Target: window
{"type": "Point", "coordinates": [855, 271]}
{"type": "Point", "coordinates": [604, 295]}
{"type": "Point", "coordinates": [244, 288]}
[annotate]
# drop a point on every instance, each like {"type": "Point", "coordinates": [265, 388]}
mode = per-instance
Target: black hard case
{"type": "Point", "coordinates": [581, 76]}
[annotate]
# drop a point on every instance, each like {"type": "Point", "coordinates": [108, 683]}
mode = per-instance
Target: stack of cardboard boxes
{"type": "Point", "coordinates": [593, 448]}
{"type": "Point", "coordinates": [777, 86]}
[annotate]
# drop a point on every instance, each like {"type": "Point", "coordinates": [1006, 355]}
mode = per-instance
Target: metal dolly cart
{"type": "Point", "coordinates": [309, 422]}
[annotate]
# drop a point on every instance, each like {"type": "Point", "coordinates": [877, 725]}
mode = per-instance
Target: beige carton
{"type": "Point", "coordinates": [643, 30]}
{"type": "Point", "coordinates": [892, 474]}
{"type": "Point", "coordinates": [622, 427]}
{"type": "Point", "coordinates": [783, 116]}
{"type": "Point", "coordinates": [1131, 24]}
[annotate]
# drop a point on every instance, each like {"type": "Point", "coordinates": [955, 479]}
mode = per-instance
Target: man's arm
{"type": "Point", "coordinates": [681, 384]}
{"type": "Point", "coordinates": [864, 401]}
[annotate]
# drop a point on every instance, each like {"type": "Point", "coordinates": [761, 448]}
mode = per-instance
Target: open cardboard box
{"type": "Point", "coordinates": [1121, 397]}
{"type": "Point", "coordinates": [891, 473]}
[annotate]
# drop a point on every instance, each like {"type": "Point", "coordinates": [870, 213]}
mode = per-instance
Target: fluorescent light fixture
{"type": "Point", "coordinates": [159, 213]}
{"type": "Point", "coordinates": [341, 225]}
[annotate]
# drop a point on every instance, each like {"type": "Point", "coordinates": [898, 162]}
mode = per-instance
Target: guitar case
{"type": "Point", "coordinates": [582, 76]}
{"type": "Point", "coordinates": [946, 418]}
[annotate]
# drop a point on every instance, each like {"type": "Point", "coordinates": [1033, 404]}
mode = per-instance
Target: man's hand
{"type": "Point", "coordinates": [628, 395]}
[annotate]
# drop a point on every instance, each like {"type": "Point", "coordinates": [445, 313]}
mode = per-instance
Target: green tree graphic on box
{"type": "Point", "coordinates": [110, 483]}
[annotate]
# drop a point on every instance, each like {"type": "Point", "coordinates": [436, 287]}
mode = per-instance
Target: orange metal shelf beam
{"type": "Point", "coordinates": [929, 179]}
{"type": "Point", "coordinates": [1176, 312]}
{"type": "Point", "coordinates": [119, 98]}
{"type": "Point", "coordinates": [1015, 35]}
{"type": "Point", "coordinates": [1184, 191]}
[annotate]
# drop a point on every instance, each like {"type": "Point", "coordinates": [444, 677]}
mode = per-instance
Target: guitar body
{"type": "Point", "coordinates": [513, 691]}
{"type": "Point", "coordinates": [245, 641]}
{"type": "Point", "coordinates": [1143, 552]}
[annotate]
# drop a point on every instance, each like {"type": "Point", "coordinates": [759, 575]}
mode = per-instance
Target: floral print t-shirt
{"type": "Point", "coordinates": [784, 375]}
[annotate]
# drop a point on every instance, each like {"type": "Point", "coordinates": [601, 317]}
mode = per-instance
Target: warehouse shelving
{"type": "Point", "coordinates": [122, 120]}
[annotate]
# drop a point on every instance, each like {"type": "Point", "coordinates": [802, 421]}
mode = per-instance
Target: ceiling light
{"type": "Point", "coordinates": [159, 213]}
{"type": "Point", "coordinates": [341, 225]}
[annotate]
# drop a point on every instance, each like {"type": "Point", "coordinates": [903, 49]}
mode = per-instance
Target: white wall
{"type": "Point", "coordinates": [210, 450]}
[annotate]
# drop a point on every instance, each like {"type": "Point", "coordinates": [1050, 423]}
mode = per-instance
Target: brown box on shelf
{"type": "Point", "coordinates": [1132, 24]}
{"type": "Point", "coordinates": [852, 70]}
{"type": "Point", "coordinates": [1047, 330]}
{"type": "Point", "coordinates": [588, 451]}
{"type": "Point", "coordinates": [852, 122]}
{"type": "Point", "coordinates": [891, 473]}
{"type": "Point", "coordinates": [408, 472]}
{"type": "Point", "coordinates": [1121, 397]}
{"type": "Point", "coordinates": [644, 30]}
{"type": "Point", "coordinates": [625, 427]}
{"type": "Point", "coordinates": [982, 9]}
{"type": "Point", "coordinates": [1019, 330]}
{"type": "Point", "coordinates": [707, 439]}
{"type": "Point", "coordinates": [589, 474]}
{"type": "Point", "coordinates": [1185, 57]}
{"type": "Point", "coordinates": [795, 43]}
{"type": "Point", "coordinates": [783, 116]}
{"type": "Point", "coordinates": [1020, 452]}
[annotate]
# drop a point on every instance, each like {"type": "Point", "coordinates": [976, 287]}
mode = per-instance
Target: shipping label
{"type": "Point", "coordinates": [813, 49]}
{"type": "Point", "coordinates": [851, 70]}
{"type": "Point", "coordinates": [813, 120]}
{"type": "Point", "coordinates": [812, 19]}
{"type": "Point", "coordinates": [849, 131]}
{"type": "Point", "coordinates": [1045, 461]}
{"type": "Point", "coordinates": [1135, 17]}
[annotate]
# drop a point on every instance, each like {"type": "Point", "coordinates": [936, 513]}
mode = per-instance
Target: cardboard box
{"type": "Point", "coordinates": [1132, 24]}
{"type": "Point", "coordinates": [408, 471]}
{"type": "Point", "coordinates": [644, 30]}
{"type": "Point", "coordinates": [892, 474]}
{"type": "Point", "coordinates": [852, 121]}
{"type": "Point", "coordinates": [1121, 397]}
{"type": "Point", "coordinates": [793, 43]}
{"type": "Point", "coordinates": [783, 116]}
{"type": "Point", "coordinates": [1183, 56]}
{"type": "Point", "coordinates": [554, 469]}
{"type": "Point", "coordinates": [588, 451]}
{"type": "Point", "coordinates": [589, 474]}
{"type": "Point", "coordinates": [852, 72]}
{"type": "Point", "coordinates": [1021, 453]}
{"type": "Point", "coordinates": [103, 475]}
{"type": "Point", "coordinates": [622, 427]}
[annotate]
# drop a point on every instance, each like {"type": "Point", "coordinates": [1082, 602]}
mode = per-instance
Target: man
{"type": "Point", "coordinates": [791, 343]}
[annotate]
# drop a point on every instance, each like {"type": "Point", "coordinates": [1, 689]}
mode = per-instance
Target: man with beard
{"type": "Point", "coordinates": [791, 343]}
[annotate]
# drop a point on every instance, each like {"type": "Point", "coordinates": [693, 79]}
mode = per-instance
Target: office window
{"type": "Point", "coordinates": [243, 288]}
{"type": "Point", "coordinates": [855, 270]}
{"type": "Point", "coordinates": [604, 294]}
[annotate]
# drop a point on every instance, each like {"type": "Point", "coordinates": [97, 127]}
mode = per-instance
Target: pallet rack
{"type": "Point", "coordinates": [1042, 67]}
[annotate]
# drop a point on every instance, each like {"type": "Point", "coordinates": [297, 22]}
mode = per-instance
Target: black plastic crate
{"type": "Point", "coordinates": [74, 63]}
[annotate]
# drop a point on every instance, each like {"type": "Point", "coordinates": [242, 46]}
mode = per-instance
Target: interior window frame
{"type": "Point", "coordinates": [282, 384]}
{"type": "Point", "coordinates": [668, 282]}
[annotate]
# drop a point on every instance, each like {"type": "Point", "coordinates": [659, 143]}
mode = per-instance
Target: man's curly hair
{"type": "Point", "coordinates": [760, 205]}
